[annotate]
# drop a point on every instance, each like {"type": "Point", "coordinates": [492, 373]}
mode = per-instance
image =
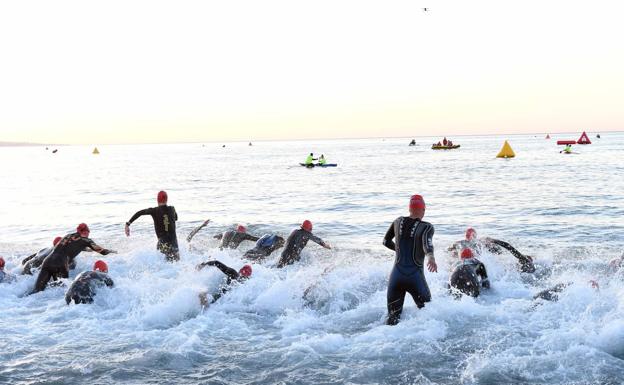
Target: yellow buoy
{"type": "Point", "coordinates": [506, 151]}
{"type": "Point", "coordinates": [95, 151]}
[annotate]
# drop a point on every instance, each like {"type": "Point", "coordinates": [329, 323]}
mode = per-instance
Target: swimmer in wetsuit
{"type": "Point", "coordinates": [164, 218]}
{"type": "Point", "coordinates": [297, 240]}
{"type": "Point", "coordinates": [231, 239]}
{"type": "Point", "coordinates": [57, 264]}
{"type": "Point", "coordinates": [4, 276]}
{"type": "Point", "coordinates": [468, 275]}
{"type": "Point", "coordinates": [414, 241]}
{"type": "Point", "coordinates": [82, 290]}
{"type": "Point", "coordinates": [35, 260]}
{"type": "Point", "coordinates": [267, 244]}
{"type": "Point", "coordinates": [232, 275]}
{"type": "Point", "coordinates": [525, 262]}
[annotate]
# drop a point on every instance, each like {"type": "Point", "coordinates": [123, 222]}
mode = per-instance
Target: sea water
{"type": "Point", "coordinates": [564, 210]}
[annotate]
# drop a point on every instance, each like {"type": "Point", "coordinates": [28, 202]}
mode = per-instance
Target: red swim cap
{"type": "Point", "coordinates": [417, 202]}
{"type": "Point", "coordinates": [56, 240]}
{"type": "Point", "coordinates": [1, 263]}
{"type": "Point", "coordinates": [306, 225]}
{"type": "Point", "coordinates": [100, 266]}
{"type": "Point", "coordinates": [241, 229]}
{"type": "Point", "coordinates": [162, 197]}
{"type": "Point", "coordinates": [471, 234]}
{"type": "Point", "coordinates": [82, 228]}
{"type": "Point", "coordinates": [466, 253]}
{"type": "Point", "coordinates": [245, 271]}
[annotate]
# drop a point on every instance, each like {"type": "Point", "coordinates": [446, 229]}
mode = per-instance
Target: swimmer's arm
{"type": "Point", "coordinates": [428, 248]}
{"type": "Point", "coordinates": [196, 230]}
{"type": "Point", "coordinates": [98, 249]}
{"type": "Point", "coordinates": [318, 240]}
{"type": "Point", "coordinates": [138, 214]}
{"type": "Point", "coordinates": [134, 217]}
{"type": "Point", "coordinates": [224, 268]}
{"type": "Point", "coordinates": [250, 237]}
{"type": "Point", "coordinates": [388, 242]}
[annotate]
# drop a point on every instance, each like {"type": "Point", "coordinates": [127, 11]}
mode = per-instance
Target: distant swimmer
{"type": "Point", "coordinates": [297, 240]}
{"type": "Point", "coordinates": [35, 260]}
{"type": "Point", "coordinates": [4, 276]}
{"type": "Point", "coordinates": [525, 262]}
{"type": "Point", "coordinates": [310, 160]}
{"type": "Point", "coordinates": [56, 265]}
{"type": "Point", "coordinates": [468, 275]}
{"type": "Point", "coordinates": [232, 275]}
{"type": "Point", "coordinates": [321, 160]}
{"type": "Point", "coordinates": [82, 290]}
{"type": "Point", "coordinates": [164, 218]}
{"type": "Point", "coordinates": [231, 239]}
{"type": "Point", "coordinates": [266, 245]}
{"type": "Point", "coordinates": [414, 241]}
{"type": "Point", "coordinates": [413, 142]}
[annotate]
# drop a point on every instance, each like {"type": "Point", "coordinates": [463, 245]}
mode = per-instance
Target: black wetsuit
{"type": "Point", "coordinates": [83, 288]}
{"type": "Point", "coordinates": [231, 275]}
{"type": "Point", "coordinates": [264, 247]}
{"type": "Point", "coordinates": [296, 241]}
{"type": "Point", "coordinates": [35, 260]}
{"type": "Point", "coordinates": [164, 218]}
{"type": "Point", "coordinates": [57, 264]}
{"type": "Point", "coordinates": [469, 276]}
{"type": "Point", "coordinates": [526, 263]}
{"type": "Point", "coordinates": [231, 239]}
{"type": "Point", "coordinates": [415, 240]}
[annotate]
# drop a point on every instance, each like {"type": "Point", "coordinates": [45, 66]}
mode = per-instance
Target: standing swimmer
{"type": "Point", "coordinates": [414, 241]}
{"type": "Point", "coordinates": [296, 241]}
{"type": "Point", "coordinates": [57, 264]}
{"type": "Point", "coordinates": [239, 276]}
{"type": "Point", "coordinates": [82, 290]}
{"type": "Point", "coordinates": [164, 218]}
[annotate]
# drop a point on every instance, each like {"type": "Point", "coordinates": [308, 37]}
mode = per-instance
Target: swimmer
{"type": "Point", "coordinates": [164, 218]}
{"type": "Point", "coordinates": [492, 245]}
{"type": "Point", "coordinates": [468, 275]}
{"type": "Point", "coordinates": [56, 265]}
{"type": "Point", "coordinates": [82, 290]}
{"type": "Point", "coordinates": [4, 276]}
{"type": "Point", "coordinates": [266, 245]}
{"type": "Point", "coordinates": [231, 239]}
{"type": "Point", "coordinates": [232, 275]}
{"type": "Point", "coordinates": [297, 240]}
{"type": "Point", "coordinates": [36, 259]}
{"type": "Point", "coordinates": [414, 241]}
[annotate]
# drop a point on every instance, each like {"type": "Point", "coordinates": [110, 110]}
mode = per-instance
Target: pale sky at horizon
{"type": "Point", "coordinates": [190, 71]}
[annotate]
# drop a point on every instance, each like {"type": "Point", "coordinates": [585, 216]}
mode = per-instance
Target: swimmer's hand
{"type": "Point", "coordinates": [326, 245]}
{"type": "Point", "coordinates": [127, 229]}
{"type": "Point", "coordinates": [432, 266]}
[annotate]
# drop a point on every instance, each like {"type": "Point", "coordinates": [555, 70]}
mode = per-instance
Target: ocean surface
{"type": "Point", "coordinates": [565, 210]}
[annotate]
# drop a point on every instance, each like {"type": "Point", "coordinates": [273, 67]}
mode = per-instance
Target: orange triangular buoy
{"type": "Point", "coordinates": [506, 151]}
{"type": "Point", "coordinates": [96, 151]}
{"type": "Point", "coordinates": [584, 139]}
{"type": "Point", "coordinates": [547, 136]}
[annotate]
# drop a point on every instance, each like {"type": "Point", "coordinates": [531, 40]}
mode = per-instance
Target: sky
{"type": "Point", "coordinates": [83, 72]}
